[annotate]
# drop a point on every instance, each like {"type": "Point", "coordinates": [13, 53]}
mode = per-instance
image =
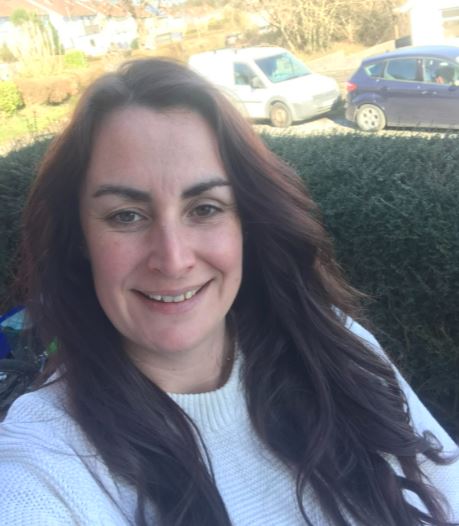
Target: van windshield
{"type": "Point", "coordinates": [282, 67]}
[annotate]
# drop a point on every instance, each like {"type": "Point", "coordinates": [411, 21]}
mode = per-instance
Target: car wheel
{"type": "Point", "coordinates": [280, 115]}
{"type": "Point", "coordinates": [370, 118]}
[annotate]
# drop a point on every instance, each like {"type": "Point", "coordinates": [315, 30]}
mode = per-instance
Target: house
{"type": "Point", "coordinates": [92, 26]}
{"type": "Point", "coordinates": [118, 28]}
{"type": "Point", "coordinates": [77, 24]}
{"type": "Point", "coordinates": [7, 8]}
{"type": "Point", "coordinates": [432, 21]}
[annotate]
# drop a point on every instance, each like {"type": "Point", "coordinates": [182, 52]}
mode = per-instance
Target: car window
{"type": "Point", "coordinates": [243, 74]}
{"type": "Point", "coordinates": [284, 66]}
{"type": "Point", "coordinates": [440, 71]}
{"type": "Point", "coordinates": [375, 70]}
{"type": "Point", "coordinates": [402, 69]}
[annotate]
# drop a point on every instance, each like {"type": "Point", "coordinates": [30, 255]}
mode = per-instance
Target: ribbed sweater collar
{"type": "Point", "coordinates": [216, 409]}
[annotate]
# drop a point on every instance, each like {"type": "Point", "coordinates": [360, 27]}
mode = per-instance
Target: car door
{"type": "Point", "coordinates": [249, 89]}
{"type": "Point", "coordinates": [401, 89]}
{"type": "Point", "coordinates": [441, 89]}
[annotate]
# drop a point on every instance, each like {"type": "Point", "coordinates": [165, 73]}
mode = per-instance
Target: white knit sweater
{"type": "Point", "coordinates": [50, 475]}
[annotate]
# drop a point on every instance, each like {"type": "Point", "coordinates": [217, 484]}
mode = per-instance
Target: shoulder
{"type": "Point", "coordinates": [42, 419]}
{"type": "Point", "coordinates": [49, 472]}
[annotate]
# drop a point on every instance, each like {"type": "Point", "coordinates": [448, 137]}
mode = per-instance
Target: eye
{"type": "Point", "coordinates": [125, 217]}
{"type": "Point", "coordinates": [205, 210]}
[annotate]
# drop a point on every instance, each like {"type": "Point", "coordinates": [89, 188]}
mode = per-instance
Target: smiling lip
{"type": "Point", "coordinates": [172, 301]}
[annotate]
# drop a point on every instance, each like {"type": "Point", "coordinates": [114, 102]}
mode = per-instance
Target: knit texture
{"type": "Point", "coordinates": [51, 475]}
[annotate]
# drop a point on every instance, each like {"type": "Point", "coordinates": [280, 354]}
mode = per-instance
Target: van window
{"type": "Point", "coordinates": [243, 74]}
{"type": "Point", "coordinates": [402, 69]}
{"type": "Point", "coordinates": [283, 66]}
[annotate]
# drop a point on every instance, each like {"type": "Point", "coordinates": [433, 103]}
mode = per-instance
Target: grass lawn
{"type": "Point", "coordinates": [29, 123]}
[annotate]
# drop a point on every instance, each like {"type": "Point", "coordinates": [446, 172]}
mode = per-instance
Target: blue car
{"type": "Point", "coordinates": [412, 87]}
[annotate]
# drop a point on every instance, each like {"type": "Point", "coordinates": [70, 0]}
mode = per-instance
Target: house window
{"type": "Point", "coordinates": [450, 22]}
{"type": "Point", "coordinates": [452, 12]}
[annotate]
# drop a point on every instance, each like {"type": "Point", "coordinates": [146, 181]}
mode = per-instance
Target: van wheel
{"type": "Point", "coordinates": [280, 115]}
{"type": "Point", "coordinates": [370, 118]}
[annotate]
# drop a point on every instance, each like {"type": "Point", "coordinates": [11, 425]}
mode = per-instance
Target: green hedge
{"type": "Point", "coordinates": [392, 207]}
{"type": "Point", "coordinates": [16, 173]}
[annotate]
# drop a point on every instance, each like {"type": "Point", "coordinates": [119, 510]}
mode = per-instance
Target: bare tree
{"type": "Point", "coordinates": [139, 10]}
{"type": "Point", "coordinates": [313, 25]}
{"type": "Point", "coordinates": [33, 36]}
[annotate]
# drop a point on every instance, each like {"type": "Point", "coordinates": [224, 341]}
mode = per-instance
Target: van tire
{"type": "Point", "coordinates": [280, 116]}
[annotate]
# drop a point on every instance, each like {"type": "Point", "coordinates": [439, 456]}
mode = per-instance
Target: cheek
{"type": "Point", "coordinates": [110, 262]}
{"type": "Point", "coordinates": [227, 252]}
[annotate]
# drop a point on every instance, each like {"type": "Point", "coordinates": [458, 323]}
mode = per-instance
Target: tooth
{"type": "Point", "coordinates": [168, 299]}
{"type": "Point", "coordinates": [177, 299]}
{"type": "Point", "coordinates": [155, 297]}
{"type": "Point", "coordinates": [189, 294]}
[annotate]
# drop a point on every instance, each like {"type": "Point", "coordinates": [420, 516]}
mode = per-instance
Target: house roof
{"type": "Point", "coordinates": [108, 8]}
{"type": "Point", "coordinates": [7, 7]}
{"type": "Point", "coordinates": [71, 8]}
{"type": "Point", "coordinates": [65, 7]}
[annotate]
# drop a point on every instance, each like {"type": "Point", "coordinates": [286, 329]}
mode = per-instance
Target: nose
{"type": "Point", "coordinates": [171, 250]}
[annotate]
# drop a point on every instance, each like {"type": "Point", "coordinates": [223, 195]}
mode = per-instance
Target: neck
{"type": "Point", "coordinates": [201, 369]}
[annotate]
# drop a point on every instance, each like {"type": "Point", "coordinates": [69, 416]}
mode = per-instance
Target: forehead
{"type": "Point", "coordinates": [146, 147]}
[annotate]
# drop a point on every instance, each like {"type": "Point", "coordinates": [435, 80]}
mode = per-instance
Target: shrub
{"type": "Point", "coordinates": [16, 174]}
{"type": "Point", "coordinates": [75, 59]}
{"type": "Point", "coordinates": [6, 54]}
{"type": "Point", "coordinates": [215, 23]}
{"type": "Point", "coordinates": [61, 89]}
{"type": "Point", "coordinates": [390, 203]}
{"type": "Point", "coordinates": [49, 90]}
{"type": "Point", "coordinates": [10, 98]}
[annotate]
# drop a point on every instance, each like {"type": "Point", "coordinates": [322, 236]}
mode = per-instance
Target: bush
{"type": "Point", "coordinates": [10, 98]}
{"type": "Point", "coordinates": [75, 59]}
{"type": "Point", "coordinates": [6, 54]}
{"type": "Point", "coordinates": [390, 204]}
{"type": "Point", "coordinates": [215, 24]}
{"type": "Point", "coordinates": [61, 89]}
{"type": "Point", "coordinates": [16, 174]}
{"type": "Point", "coordinates": [49, 90]}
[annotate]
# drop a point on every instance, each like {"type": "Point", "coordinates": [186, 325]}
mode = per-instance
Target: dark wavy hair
{"type": "Point", "coordinates": [326, 405]}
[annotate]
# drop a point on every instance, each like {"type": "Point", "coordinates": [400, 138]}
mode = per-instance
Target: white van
{"type": "Point", "coordinates": [268, 83]}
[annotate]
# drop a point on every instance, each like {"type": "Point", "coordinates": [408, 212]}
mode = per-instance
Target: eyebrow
{"type": "Point", "coordinates": [126, 192]}
{"type": "Point", "coordinates": [133, 194]}
{"type": "Point", "coordinates": [200, 188]}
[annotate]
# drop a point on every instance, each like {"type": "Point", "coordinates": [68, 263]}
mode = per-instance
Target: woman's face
{"type": "Point", "coordinates": [162, 230]}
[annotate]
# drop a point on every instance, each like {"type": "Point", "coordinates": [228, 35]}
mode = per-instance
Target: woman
{"type": "Point", "coordinates": [208, 371]}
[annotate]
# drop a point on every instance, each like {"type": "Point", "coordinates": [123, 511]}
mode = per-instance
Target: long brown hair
{"type": "Point", "coordinates": [327, 406]}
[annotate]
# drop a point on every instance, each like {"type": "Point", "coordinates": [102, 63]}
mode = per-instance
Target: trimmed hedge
{"type": "Point", "coordinates": [391, 205]}
{"type": "Point", "coordinates": [16, 174]}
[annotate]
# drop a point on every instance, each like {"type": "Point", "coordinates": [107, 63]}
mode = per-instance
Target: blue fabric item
{"type": "Point", "coordinates": [13, 319]}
